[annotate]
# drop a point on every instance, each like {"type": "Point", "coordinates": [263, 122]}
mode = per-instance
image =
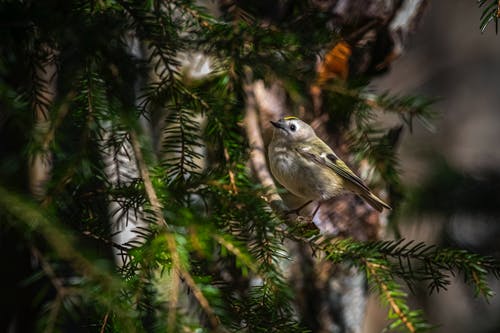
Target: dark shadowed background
{"type": "Point", "coordinates": [453, 171]}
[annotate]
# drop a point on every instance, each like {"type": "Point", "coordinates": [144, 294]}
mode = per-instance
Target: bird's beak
{"type": "Point", "coordinates": [278, 124]}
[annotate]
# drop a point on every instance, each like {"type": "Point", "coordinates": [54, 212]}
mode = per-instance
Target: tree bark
{"type": "Point", "coordinates": [44, 93]}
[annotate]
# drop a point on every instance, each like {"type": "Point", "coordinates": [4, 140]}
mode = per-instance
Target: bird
{"type": "Point", "coordinates": [308, 168]}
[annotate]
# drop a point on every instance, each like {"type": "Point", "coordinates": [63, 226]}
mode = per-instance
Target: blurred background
{"type": "Point", "coordinates": [451, 168]}
{"type": "Point", "coordinates": [453, 171]}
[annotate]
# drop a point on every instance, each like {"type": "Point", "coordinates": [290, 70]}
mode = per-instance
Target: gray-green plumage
{"type": "Point", "coordinates": [308, 168]}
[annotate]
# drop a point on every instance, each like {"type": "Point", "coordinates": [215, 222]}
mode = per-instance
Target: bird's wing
{"type": "Point", "coordinates": [330, 160]}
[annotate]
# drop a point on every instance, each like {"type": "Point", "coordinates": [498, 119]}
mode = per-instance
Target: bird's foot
{"type": "Point", "coordinates": [305, 224]}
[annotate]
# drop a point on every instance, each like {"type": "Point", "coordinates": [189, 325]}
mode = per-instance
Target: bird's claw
{"type": "Point", "coordinates": [306, 224]}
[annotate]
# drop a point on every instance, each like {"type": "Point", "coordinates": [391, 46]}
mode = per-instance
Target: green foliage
{"type": "Point", "coordinates": [209, 237]}
{"type": "Point", "coordinates": [355, 103]}
{"type": "Point", "coordinates": [490, 13]}
{"type": "Point", "coordinates": [388, 262]}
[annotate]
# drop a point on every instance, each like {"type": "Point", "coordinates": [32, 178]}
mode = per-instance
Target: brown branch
{"type": "Point", "coordinates": [58, 285]}
{"type": "Point", "coordinates": [174, 301]}
{"type": "Point", "coordinates": [148, 185]}
{"type": "Point", "coordinates": [49, 272]}
{"type": "Point", "coordinates": [392, 303]}
{"type": "Point", "coordinates": [170, 237]}
{"type": "Point", "coordinates": [237, 252]}
{"type": "Point", "coordinates": [106, 241]}
{"type": "Point", "coordinates": [232, 180]}
{"type": "Point", "coordinates": [104, 323]}
{"type": "Point", "coordinates": [63, 111]}
{"type": "Point", "coordinates": [258, 158]}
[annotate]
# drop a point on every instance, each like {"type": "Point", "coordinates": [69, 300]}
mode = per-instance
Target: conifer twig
{"type": "Point", "coordinates": [392, 303]}
{"type": "Point", "coordinates": [148, 185]}
{"type": "Point", "coordinates": [106, 241]}
{"type": "Point", "coordinates": [236, 252]}
{"type": "Point", "coordinates": [170, 238]}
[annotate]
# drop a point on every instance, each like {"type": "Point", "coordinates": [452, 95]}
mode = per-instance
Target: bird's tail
{"type": "Point", "coordinates": [374, 201]}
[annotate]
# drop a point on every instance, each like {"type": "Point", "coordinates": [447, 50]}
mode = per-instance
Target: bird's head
{"type": "Point", "coordinates": [292, 129]}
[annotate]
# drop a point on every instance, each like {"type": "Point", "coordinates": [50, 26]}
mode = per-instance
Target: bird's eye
{"type": "Point", "coordinates": [293, 127]}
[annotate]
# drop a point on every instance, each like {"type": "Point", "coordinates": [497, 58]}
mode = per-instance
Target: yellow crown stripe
{"type": "Point", "coordinates": [290, 117]}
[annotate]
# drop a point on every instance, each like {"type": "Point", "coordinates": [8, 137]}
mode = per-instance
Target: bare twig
{"type": "Point", "coordinates": [104, 323]}
{"type": "Point", "coordinates": [106, 241]}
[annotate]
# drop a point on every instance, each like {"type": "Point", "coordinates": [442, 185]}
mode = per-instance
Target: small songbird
{"type": "Point", "coordinates": [308, 168]}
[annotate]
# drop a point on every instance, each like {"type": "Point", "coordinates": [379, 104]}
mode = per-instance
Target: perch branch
{"type": "Point", "coordinates": [258, 159]}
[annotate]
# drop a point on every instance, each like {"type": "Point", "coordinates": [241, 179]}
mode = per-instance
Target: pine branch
{"type": "Point", "coordinates": [377, 146]}
{"type": "Point", "coordinates": [407, 107]}
{"type": "Point", "coordinates": [155, 27]}
{"type": "Point", "coordinates": [177, 265]}
{"type": "Point", "coordinates": [391, 293]}
{"type": "Point", "coordinates": [247, 262]}
{"type": "Point", "coordinates": [34, 221]}
{"type": "Point", "coordinates": [212, 229]}
{"type": "Point", "coordinates": [43, 72]}
{"type": "Point", "coordinates": [181, 138]}
{"type": "Point", "coordinates": [371, 143]}
{"type": "Point", "coordinates": [491, 13]}
{"type": "Point", "coordinates": [148, 185]}
{"type": "Point", "coordinates": [418, 262]}
{"type": "Point", "coordinates": [384, 261]}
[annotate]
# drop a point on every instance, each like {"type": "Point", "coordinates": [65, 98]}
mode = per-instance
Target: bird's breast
{"type": "Point", "coordinates": [302, 177]}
